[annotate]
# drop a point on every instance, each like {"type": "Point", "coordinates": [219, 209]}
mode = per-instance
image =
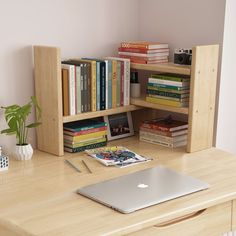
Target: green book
{"type": "Point", "coordinates": [178, 78]}
{"type": "Point", "coordinates": [81, 149]}
{"type": "Point", "coordinates": [80, 125]}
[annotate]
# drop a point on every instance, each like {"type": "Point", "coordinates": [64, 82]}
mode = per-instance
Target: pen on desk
{"type": "Point", "coordinates": [71, 164]}
{"type": "Point", "coordinates": [87, 166]}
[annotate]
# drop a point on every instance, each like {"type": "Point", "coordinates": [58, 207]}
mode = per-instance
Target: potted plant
{"type": "Point", "coordinates": [16, 119]}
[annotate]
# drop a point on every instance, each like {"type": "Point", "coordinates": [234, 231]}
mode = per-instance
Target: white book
{"type": "Point", "coordinates": [126, 78]}
{"type": "Point", "coordinates": [167, 82]}
{"type": "Point", "coordinates": [71, 70]}
{"type": "Point", "coordinates": [106, 83]}
{"type": "Point", "coordinates": [78, 89]}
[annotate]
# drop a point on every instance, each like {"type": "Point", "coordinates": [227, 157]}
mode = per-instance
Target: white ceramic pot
{"type": "Point", "coordinates": [24, 152]}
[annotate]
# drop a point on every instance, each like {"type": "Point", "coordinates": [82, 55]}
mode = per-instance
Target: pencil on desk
{"type": "Point", "coordinates": [71, 164]}
{"type": "Point", "coordinates": [87, 166]}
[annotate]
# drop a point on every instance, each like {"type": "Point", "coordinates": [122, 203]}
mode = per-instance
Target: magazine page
{"type": "Point", "coordinates": [116, 156]}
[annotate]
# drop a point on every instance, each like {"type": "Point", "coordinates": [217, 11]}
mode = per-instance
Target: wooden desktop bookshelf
{"type": "Point", "coordinates": [200, 113]}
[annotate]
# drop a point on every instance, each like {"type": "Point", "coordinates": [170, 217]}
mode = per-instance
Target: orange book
{"type": "Point", "coordinates": [144, 45]}
{"type": "Point", "coordinates": [65, 92]}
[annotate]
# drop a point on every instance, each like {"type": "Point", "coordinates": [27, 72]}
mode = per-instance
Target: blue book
{"type": "Point", "coordinates": [98, 86]}
{"type": "Point", "coordinates": [109, 84]}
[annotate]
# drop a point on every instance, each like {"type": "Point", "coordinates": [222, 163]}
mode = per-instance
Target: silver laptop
{"type": "Point", "coordinates": [142, 189]}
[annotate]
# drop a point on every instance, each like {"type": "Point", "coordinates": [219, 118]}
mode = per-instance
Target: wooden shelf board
{"type": "Point", "coordinates": [163, 67]}
{"type": "Point", "coordinates": [143, 103]}
{"type": "Point", "coordinates": [88, 115]}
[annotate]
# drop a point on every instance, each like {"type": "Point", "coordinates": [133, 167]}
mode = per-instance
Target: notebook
{"type": "Point", "coordinates": [142, 189]}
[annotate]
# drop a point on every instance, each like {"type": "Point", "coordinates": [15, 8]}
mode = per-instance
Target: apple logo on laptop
{"type": "Point", "coordinates": [142, 186]}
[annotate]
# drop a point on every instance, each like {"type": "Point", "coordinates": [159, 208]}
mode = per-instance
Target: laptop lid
{"type": "Point", "coordinates": [141, 189]}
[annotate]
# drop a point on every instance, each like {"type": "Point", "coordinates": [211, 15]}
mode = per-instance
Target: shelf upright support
{"type": "Point", "coordinates": [48, 90]}
{"type": "Point", "coordinates": [202, 97]}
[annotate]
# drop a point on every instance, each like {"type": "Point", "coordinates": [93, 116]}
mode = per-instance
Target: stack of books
{"type": "Point", "coordinates": [92, 84]}
{"type": "Point", "coordinates": [170, 90]}
{"type": "Point", "coordinates": [84, 134]}
{"type": "Point", "coordinates": [144, 52]}
{"type": "Point", "coordinates": [166, 132]}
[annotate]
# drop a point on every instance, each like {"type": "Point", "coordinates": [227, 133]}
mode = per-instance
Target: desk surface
{"type": "Point", "coordinates": [38, 196]}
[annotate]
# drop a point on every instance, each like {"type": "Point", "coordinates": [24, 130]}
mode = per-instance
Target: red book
{"type": "Point", "coordinates": [146, 61]}
{"type": "Point", "coordinates": [166, 124]}
{"type": "Point", "coordinates": [140, 50]}
{"type": "Point", "coordinates": [88, 131]}
{"type": "Point", "coordinates": [165, 133]}
{"type": "Point", "coordinates": [144, 45]}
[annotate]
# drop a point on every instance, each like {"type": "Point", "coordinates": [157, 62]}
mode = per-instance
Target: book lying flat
{"type": "Point", "coordinates": [116, 156]}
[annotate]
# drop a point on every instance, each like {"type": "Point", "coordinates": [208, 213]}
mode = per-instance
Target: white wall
{"type": "Point", "coordinates": [226, 130]}
{"type": "Point", "coordinates": [182, 23]}
{"type": "Point", "coordinates": [79, 27]}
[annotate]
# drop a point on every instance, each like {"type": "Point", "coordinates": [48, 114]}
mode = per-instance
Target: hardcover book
{"type": "Point", "coordinates": [165, 124]}
{"type": "Point", "coordinates": [144, 45]}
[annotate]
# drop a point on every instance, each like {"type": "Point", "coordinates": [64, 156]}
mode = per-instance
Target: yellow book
{"type": "Point", "coordinates": [114, 74]}
{"type": "Point", "coordinates": [85, 143]}
{"type": "Point", "coordinates": [93, 85]}
{"type": "Point", "coordinates": [166, 102]}
{"type": "Point", "coordinates": [85, 136]}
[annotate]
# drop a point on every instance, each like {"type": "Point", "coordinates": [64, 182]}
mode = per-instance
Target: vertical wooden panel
{"type": "Point", "coordinates": [202, 97]}
{"type": "Point", "coordinates": [48, 90]}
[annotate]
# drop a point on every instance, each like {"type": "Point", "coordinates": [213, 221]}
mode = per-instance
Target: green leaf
{"type": "Point", "coordinates": [33, 125]}
{"type": "Point", "coordinates": [8, 131]}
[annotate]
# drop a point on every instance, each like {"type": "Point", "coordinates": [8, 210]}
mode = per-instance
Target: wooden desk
{"type": "Point", "coordinates": [38, 196]}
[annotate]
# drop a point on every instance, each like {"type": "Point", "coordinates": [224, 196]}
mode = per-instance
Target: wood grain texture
{"type": "Point", "coordinates": [94, 114]}
{"type": "Point", "coordinates": [39, 196]}
{"type": "Point", "coordinates": [163, 67]}
{"type": "Point", "coordinates": [202, 97]}
{"type": "Point", "coordinates": [214, 221]}
{"type": "Point", "coordinates": [143, 103]}
{"type": "Point", "coordinates": [48, 89]}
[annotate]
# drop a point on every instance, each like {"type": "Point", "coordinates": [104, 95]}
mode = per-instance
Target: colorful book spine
{"type": "Point", "coordinates": [81, 144]}
{"type": "Point", "coordinates": [109, 84]}
{"type": "Point", "coordinates": [106, 84]}
{"type": "Point", "coordinates": [168, 82]}
{"type": "Point", "coordinates": [167, 94]}
{"type": "Point", "coordinates": [162, 138]}
{"type": "Point", "coordinates": [88, 131]}
{"type": "Point", "coordinates": [144, 45]}
{"type": "Point", "coordinates": [162, 143]}
{"type": "Point", "coordinates": [85, 127]}
{"type": "Point", "coordinates": [85, 88]}
{"type": "Point", "coordinates": [164, 133]}
{"type": "Point", "coordinates": [118, 75]}
{"type": "Point", "coordinates": [71, 70]}
{"type": "Point", "coordinates": [102, 85]}
{"type": "Point", "coordinates": [90, 146]}
{"type": "Point", "coordinates": [98, 90]}
{"type": "Point", "coordinates": [82, 86]}
{"type": "Point", "coordinates": [65, 92]}
{"type": "Point", "coordinates": [139, 50]}
{"type": "Point", "coordinates": [85, 136]}
{"type": "Point", "coordinates": [166, 102]}
{"type": "Point", "coordinates": [168, 86]}
{"type": "Point", "coordinates": [122, 81]}
{"type": "Point", "coordinates": [78, 89]}
{"type": "Point", "coordinates": [114, 66]}
{"type": "Point", "coordinates": [153, 88]}
{"type": "Point", "coordinates": [93, 85]}
{"type": "Point", "coordinates": [172, 78]}
{"type": "Point", "coordinates": [144, 56]}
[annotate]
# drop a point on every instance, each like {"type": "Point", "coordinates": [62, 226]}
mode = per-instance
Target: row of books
{"type": "Point", "coordinates": [170, 90]}
{"type": "Point", "coordinates": [84, 134]}
{"type": "Point", "coordinates": [144, 52]}
{"type": "Point", "coordinates": [92, 84]}
{"type": "Point", "coordinates": [166, 132]}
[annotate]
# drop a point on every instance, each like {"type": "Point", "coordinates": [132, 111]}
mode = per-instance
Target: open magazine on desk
{"type": "Point", "coordinates": [116, 156]}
